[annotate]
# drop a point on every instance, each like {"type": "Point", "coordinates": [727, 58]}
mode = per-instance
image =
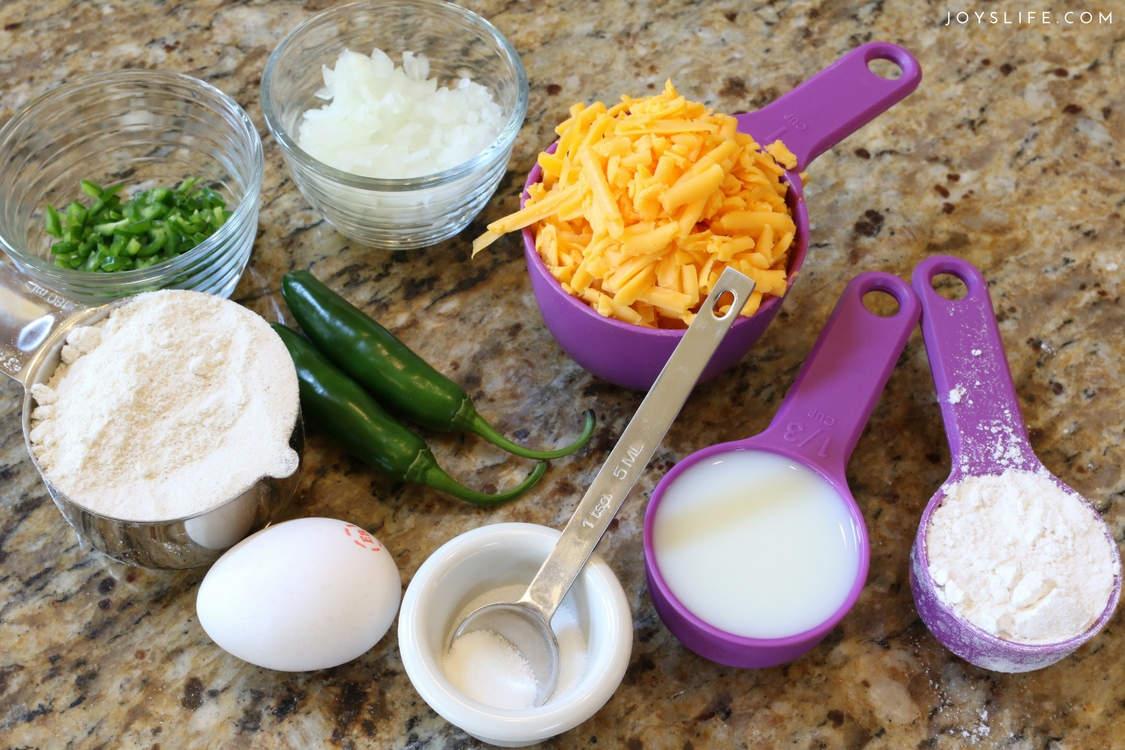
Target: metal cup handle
{"type": "Point", "coordinates": [29, 314]}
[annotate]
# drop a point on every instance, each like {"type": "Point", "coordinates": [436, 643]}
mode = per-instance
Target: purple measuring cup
{"type": "Point", "coordinates": [986, 436]}
{"type": "Point", "coordinates": [814, 431]}
{"type": "Point", "coordinates": [810, 119]}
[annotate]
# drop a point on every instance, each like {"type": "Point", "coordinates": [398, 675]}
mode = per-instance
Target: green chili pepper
{"type": "Point", "coordinates": [357, 422]}
{"type": "Point", "coordinates": [160, 224]}
{"type": "Point", "coordinates": [53, 222]}
{"type": "Point", "coordinates": [390, 371]}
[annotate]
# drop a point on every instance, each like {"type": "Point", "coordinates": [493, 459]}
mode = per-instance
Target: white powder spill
{"type": "Point", "coordinates": [956, 394]}
{"type": "Point", "coordinates": [1020, 558]}
{"type": "Point", "coordinates": [486, 667]}
{"type": "Point", "coordinates": [1005, 447]}
{"type": "Point", "coordinates": [396, 122]}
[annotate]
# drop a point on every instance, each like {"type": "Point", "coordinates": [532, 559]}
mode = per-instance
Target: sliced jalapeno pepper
{"type": "Point", "coordinates": [362, 427]}
{"type": "Point", "coordinates": [390, 371]}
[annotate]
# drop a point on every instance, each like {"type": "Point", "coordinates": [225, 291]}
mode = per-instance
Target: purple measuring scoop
{"type": "Point", "coordinates": [986, 436]}
{"type": "Point", "coordinates": [810, 119]}
{"type": "Point", "coordinates": [817, 426]}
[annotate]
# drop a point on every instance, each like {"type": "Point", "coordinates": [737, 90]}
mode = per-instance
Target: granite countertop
{"type": "Point", "coordinates": [1007, 155]}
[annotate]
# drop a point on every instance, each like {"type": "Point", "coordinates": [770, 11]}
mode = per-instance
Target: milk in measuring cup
{"type": "Point", "coordinates": [756, 544]}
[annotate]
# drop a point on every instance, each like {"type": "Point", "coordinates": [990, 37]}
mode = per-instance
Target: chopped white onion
{"type": "Point", "coordinates": [395, 122]}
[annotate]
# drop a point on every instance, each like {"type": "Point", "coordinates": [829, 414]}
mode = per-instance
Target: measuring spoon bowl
{"type": "Point", "coordinates": [810, 119]}
{"type": "Point", "coordinates": [34, 323]}
{"type": "Point", "coordinates": [703, 511]}
{"type": "Point", "coordinates": [987, 436]}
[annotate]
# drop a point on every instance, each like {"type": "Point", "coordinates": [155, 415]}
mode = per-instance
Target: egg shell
{"type": "Point", "coordinates": [305, 594]}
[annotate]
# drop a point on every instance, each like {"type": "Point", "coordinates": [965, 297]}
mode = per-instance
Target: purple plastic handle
{"type": "Point", "coordinates": [818, 425]}
{"type": "Point", "coordinates": [834, 103]}
{"type": "Point", "coordinates": [979, 406]}
{"type": "Point", "coordinates": [829, 403]}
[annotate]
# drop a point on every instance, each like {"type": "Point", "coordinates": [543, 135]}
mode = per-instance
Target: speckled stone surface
{"type": "Point", "coordinates": [1007, 155]}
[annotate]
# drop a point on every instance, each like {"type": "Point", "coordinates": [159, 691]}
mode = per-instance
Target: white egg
{"type": "Point", "coordinates": [305, 594]}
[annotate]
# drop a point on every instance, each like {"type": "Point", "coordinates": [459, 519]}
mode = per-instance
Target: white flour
{"type": "Point", "coordinates": [1020, 558]}
{"type": "Point", "coordinates": [175, 403]}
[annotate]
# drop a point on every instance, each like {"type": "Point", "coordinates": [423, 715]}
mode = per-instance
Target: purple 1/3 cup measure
{"type": "Point", "coordinates": [809, 120]}
{"type": "Point", "coordinates": [806, 447]}
{"type": "Point", "coordinates": [986, 436]}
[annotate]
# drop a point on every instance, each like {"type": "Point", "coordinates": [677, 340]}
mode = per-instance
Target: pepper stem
{"type": "Point", "coordinates": [477, 424]}
{"type": "Point", "coordinates": [434, 476]}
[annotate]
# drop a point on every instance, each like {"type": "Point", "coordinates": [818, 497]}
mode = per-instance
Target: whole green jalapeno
{"type": "Point", "coordinates": [366, 430]}
{"type": "Point", "coordinates": [390, 371]}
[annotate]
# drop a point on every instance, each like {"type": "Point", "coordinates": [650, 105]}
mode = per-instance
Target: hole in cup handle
{"type": "Point", "coordinates": [886, 296]}
{"type": "Point", "coordinates": [881, 303]}
{"type": "Point", "coordinates": [890, 62]}
{"type": "Point", "coordinates": [885, 68]}
{"type": "Point", "coordinates": [949, 286]}
{"type": "Point", "coordinates": [948, 277]}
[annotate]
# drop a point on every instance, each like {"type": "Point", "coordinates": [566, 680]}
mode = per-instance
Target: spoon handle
{"type": "Point", "coordinates": [636, 445]}
{"type": "Point", "coordinates": [978, 400]}
{"type": "Point", "coordinates": [834, 103]}
{"type": "Point", "coordinates": [829, 403]}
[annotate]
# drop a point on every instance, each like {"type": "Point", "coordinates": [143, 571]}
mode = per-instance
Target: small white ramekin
{"type": "Point", "coordinates": [487, 558]}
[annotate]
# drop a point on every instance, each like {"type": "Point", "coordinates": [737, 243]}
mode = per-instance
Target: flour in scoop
{"type": "Point", "coordinates": [486, 666]}
{"type": "Point", "coordinates": [1020, 558]}
{"type": "Point", "coordinates": [175, 403]}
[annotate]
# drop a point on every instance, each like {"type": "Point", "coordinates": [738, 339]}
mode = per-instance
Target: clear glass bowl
{"type": "Point", "coordinates": [143, 128]}
{"type": "Point", "coordinates": [388, 213]}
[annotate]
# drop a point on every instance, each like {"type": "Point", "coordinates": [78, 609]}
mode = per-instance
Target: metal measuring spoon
{"type": "Point", "coordinates": [527, 622]}
{"type": "Point", "coordinates": [987, 436]}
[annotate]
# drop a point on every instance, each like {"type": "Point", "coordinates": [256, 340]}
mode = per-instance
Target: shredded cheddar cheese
{"type": "Point", "coordinates": [643, 205]}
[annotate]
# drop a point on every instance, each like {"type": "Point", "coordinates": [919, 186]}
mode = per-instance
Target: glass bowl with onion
{"type": "Point", "coordinates": [145, 131]}
{"type": "Point", "coordinates": [428, 65]}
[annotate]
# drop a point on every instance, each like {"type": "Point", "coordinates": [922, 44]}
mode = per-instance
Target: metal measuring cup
{"type": "Point", "coordinates": [34, 323]}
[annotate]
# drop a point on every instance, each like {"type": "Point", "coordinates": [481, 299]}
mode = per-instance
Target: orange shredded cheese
{"type": "Point", "coordinates": [644, 204]}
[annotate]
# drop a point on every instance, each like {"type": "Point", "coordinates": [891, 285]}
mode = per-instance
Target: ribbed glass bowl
{"type": "Point", "coordinates": [397, 214]}
{"type": "Point", "coordinates": [143, 128]}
